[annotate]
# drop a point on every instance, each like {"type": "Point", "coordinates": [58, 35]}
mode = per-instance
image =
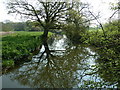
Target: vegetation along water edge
{"type": "Point", "coordinates": [20, 46]}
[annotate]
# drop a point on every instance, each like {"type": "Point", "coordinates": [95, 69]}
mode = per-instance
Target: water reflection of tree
{"type": "Point", "coordinates": [68, 68]}
{"type": "Point", "coordinates": [56, 71]}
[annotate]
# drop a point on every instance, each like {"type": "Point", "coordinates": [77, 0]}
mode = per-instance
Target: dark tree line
{"type": "Point", "coordinates": [21, 26]}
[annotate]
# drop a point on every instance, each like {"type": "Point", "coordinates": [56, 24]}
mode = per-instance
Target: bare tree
{"type": "Point", "coordinates": [48, 14]}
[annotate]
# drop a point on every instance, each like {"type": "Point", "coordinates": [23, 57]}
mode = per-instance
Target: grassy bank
{"type": "Point", "coordinates": [97, 38]}
{"type": "Point", "coordinates": [108, 46]}
{"type": "Point", "coordinates": [108, 49]}
{"type": "Point", "coordinates": [108, 37]}
{"type": "Point", "coordinates": [19, 45]}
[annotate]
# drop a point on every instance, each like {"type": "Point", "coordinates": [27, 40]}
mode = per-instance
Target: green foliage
{"type": "Point", "coordinates": [21, 26]}
{"type": "Point", "coordinates": [108, 49]}
{"type": "Point", "coordinates": [33, 26]}
{"type": "Point", "coordinates": [109, 64]}
{"type": "Point", "coordinates": [8, 63]}
{"type": "Point", "coordinates": [7, 26]}
{"type": "Point", "coordinates": [72, 33]}
{"type": "Point", "coordinates": [93, 84]}
{"type": "Point", "coordinates": [96, 37]}
{"type": "Point", "coordinates": [112, 26]}
{"type": "Point", "coordinates": [115, 6]}
{"type": "Point", "coordinates": [75, 27]}
{"type": "Point", "coordinates": [19, 45]}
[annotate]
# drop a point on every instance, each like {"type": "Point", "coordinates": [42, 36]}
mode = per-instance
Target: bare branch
{"type": "Point", "coordinates": [98, 22]}
{"type": "Point", "coordinates": [113, 14]}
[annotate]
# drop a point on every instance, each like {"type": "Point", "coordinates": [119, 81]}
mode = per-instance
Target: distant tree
{"type": "Point", "coordinates": [19, 26]}
{"type": "Point", "coordinates": [33, 26]}
{"type": "Point", "coordinates": [8, 26]}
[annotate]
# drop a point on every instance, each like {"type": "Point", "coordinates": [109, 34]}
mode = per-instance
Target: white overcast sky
{"type": "Point", "coordinates": [97, 6]}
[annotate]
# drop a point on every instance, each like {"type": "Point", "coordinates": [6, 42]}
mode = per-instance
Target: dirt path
{"type": "Point", "coordinates": [5, 33]}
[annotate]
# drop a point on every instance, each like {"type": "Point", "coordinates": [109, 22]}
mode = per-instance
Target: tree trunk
{"type": "Point", "coordinates": [45, 34]}
{"type": "Point", "coordinates": [44, 40]}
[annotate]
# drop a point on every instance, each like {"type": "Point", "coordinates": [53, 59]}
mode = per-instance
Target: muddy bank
{"type": "Point", "coordinates": [5, 33]}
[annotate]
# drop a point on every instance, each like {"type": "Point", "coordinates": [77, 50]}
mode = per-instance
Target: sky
{"type": "Point", "coordinates": [101, 6]}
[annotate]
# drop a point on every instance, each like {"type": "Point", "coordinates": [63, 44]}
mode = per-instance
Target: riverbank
{"type": "Point", "coordinates": [19, 46]}
{"type": "Point", "coordinates": [108, 49]}
{"type": "Point", "coordinates": [5, 33]}
{"type": "Point", "coordinates": [73, 60]}
{"type": "Point", "coordinates": [96, 38]}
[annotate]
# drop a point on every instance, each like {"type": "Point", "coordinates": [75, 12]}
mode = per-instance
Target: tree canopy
{"type": "Point", "coordinates": [48, 14]}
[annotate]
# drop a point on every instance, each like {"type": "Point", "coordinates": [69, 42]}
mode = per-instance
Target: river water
{"type": "Point", "coordinates": [71, 66]}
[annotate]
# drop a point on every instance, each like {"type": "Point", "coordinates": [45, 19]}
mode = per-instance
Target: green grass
{"type": "Point", "coordinates": [18, 45]}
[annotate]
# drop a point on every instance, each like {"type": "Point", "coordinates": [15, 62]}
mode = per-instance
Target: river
{"type": "Point", "coordinates": [71, 66]}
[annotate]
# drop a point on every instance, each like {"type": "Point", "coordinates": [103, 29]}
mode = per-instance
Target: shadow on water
{"type": "Point", "coordinates": [65, 66]}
